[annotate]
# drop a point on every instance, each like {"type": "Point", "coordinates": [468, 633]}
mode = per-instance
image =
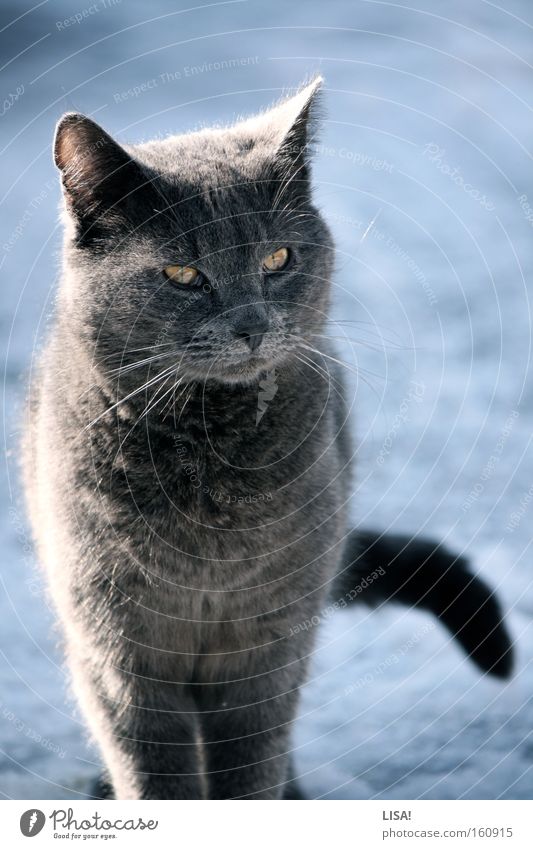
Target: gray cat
{"type": "Point", "coordinates": [187, 457]}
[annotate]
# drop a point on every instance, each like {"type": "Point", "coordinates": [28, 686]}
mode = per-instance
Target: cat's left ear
{"type": "Point", "coordinates": [284, 132]}
{"type": "Point", "coordinates": [98, 175]}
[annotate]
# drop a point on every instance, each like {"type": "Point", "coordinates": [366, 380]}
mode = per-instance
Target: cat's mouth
{"type": "Point", "coordinates": [245, 368]}
{"type": "Point", "coordinates": [235, 361]}
{"type": "Point", "coordinates": [237, 367]}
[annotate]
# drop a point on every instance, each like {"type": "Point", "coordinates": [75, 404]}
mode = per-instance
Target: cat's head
{"type": "Point", "coordinates": [203, 249]}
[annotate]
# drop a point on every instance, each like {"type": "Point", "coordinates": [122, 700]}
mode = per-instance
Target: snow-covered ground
{"type": "Point", "coordinates": [427, 135]}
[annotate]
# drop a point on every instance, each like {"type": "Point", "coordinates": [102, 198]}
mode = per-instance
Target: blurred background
{"type": "Point", "coordinates": [424, 170]}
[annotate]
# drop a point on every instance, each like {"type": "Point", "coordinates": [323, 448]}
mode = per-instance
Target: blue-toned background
{"type": "Point", "coordinates": [427, 138]}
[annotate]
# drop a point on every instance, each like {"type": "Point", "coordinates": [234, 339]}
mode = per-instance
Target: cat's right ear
{"type": "Point", "coordinates": [98, 175]}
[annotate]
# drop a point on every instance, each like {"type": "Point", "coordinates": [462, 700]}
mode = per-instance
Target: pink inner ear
{"type": "Point", "coordinates": [66, 149]}
{"type": "Point", "coordinates": [79, 140]}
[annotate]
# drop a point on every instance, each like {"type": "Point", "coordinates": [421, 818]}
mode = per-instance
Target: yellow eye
{"type": "Point", "coordinates": [185, 275]}
{"type": "Point", "coordinates": [276, 261]}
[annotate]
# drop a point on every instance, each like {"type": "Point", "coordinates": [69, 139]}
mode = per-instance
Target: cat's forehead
{"type": "Point", "coordinates": [220, 189]}
{"type": "Point", "coordinates": [207, 159]}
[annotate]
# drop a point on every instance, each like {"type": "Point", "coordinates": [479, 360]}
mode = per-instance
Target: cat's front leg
{"type": "Point", "coordinates": [146, 729]}
{"type": "Point", "coordinates": [246, 738]}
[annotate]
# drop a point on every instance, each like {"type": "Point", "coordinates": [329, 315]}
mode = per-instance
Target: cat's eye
{"type": "Point", "coordinates": [276, 261]}
{"type": "Point", "coordinates": [184, 275]}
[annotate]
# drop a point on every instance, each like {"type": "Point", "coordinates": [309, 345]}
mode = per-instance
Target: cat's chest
{"type": "Point", "coordinates": [228, 460]}
{"type": "Point", "coordinates": [226, 477]}
{"type": "Point", "coordinates": [219, 483]}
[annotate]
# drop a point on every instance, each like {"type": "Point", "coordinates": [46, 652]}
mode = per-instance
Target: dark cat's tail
{"type": "Point", "coordinates": [384, 567]}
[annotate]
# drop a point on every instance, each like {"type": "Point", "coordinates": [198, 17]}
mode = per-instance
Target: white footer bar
{"type": "Point", "coordinates": [262, 825]}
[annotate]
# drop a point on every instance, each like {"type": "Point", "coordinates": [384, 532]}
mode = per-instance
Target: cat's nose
{"type": "Point", "coordinates": [252, 332]}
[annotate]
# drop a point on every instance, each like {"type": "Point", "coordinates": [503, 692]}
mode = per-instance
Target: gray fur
{"type": "Point", "coordinates": [184, 535]}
